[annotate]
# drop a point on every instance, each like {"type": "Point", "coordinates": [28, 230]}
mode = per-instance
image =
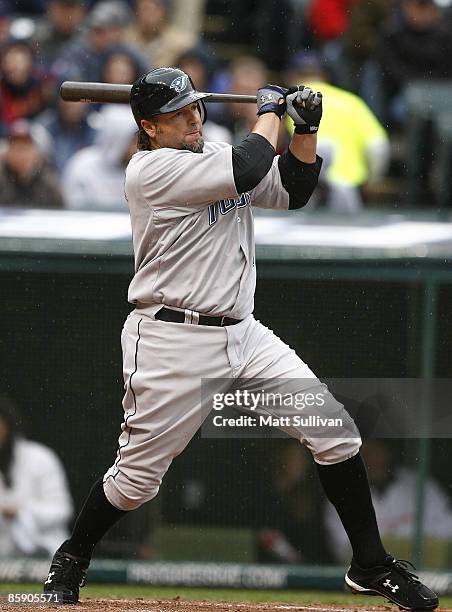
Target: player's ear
{"type": "Point", "coordinates": [150, 127]}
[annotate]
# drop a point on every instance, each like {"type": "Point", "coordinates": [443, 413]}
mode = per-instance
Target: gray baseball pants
{"type": "Point", "coordinates": [164, 364]}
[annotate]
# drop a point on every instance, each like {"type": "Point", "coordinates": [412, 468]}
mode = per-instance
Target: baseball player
{"type": "Point", "coordinates": [191, 212]}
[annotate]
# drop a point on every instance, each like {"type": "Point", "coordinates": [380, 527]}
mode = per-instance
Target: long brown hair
{"type": "Point", "coordinates": [143, 142]}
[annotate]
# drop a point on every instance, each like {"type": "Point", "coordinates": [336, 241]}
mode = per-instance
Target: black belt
{"type": "Point", "coordinates": [178, 316]}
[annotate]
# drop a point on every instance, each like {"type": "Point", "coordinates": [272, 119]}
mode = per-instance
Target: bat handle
{"type": "Point", "coordinates": [227, 97]}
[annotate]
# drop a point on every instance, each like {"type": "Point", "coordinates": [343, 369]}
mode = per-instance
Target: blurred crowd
{"type": "Point", "coordinates": [364, 55]}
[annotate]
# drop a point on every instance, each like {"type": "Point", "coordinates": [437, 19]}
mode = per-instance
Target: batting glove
{"type": "Point", "coordinates": [271, 99]}
{"type": "Point", "coordinates": [304, 106]}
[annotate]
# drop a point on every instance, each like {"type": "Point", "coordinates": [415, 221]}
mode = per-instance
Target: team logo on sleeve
{"type": "Point", "coordinates": [179, 84]}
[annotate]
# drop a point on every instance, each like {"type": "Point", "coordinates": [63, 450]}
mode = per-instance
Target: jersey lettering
{"type": "Point", "coordinates": [225, 206]}
{"type": "Point", "coordinates": [245, 200]}
{"type": "Point", "coordinates": [212, 214]}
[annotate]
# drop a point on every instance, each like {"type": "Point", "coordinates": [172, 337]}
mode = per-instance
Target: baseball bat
{"type": "Point", "coordinates": [75, 91]}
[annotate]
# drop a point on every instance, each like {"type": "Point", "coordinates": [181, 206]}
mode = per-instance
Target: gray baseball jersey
{"type": "Point", "coordinates": [192, 232]}
{"type": "Point", "coordinates": [194, 249]}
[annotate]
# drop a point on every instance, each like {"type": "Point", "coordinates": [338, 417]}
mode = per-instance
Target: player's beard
{"type": "Point", "coordinates": [194, 147]}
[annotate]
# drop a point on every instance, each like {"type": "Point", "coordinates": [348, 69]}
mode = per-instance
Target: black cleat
{"type": "Point", "coordinates": [66, 575]}
{"type": "Point", "coordinates": [392, 580]}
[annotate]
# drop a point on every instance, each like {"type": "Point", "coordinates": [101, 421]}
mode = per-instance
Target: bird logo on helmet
{"type": "Point", "coordinates": [164, 90]}
{"type": "Point", "coordinates": [179, 83]}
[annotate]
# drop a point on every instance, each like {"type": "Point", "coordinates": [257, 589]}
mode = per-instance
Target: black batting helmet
{"type": "Point", "coordinates": [164, 90]}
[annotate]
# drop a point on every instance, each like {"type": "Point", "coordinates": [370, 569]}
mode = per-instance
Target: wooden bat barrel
{"type": "Point", "coordinates": [78, 91]}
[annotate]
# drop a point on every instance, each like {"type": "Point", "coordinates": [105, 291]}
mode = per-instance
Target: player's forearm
{"type": "Point", "coordinates": [267, 126]}
{"type": "Point", "coordinates": [304, 147]}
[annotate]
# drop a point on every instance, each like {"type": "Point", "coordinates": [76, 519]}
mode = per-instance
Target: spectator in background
{"type": "Point", "coordinates": [200, 65]}
{"type": "Point", "coordinates": [62, 22]}
{"type": "Point", "coordinates": [121, 66]}
{"type": "Point", "coordinates": [348, 37]}
{"type": "Point", "coordinates": [394, 497]}
{"type": "Point", "coordinates": [360, 145]}
{"type": "Point", "coordinates": [329, 19]}
{"type": "Point", "coordinates": [293, 533]}
{"type": "Point", "coordinates": [360, 71]}
{"type": "Point", "coordinates": [367, 22]}
{"type": "Point", "coordinates": [160, 38]}
{"type": "Point", "coordinates": [26, 178]}
{"type": "Point", "coordinates": [94, 178]}
{"type": "Point", "coordinates": [197, 64]}
{"type": "Point", "coordinates": [35, 503]}
{"type": "Point", "coordinates": [418, 46]}
{"type": "Point", "coordinates": [245, 75]}
{"type": "Point", "coordinates": [69, 130]}
{"type": "Point", "coordinates": [25, 90]}
{"type": "Point", "coordinates": [189, 16]}
{"type": "Point", "coordinates": [84, 58]}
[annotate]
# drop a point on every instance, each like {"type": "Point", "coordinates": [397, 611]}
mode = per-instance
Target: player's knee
{"type": "Point", "coordinates": [336, 450]}
{"type": "Point", "coordinates": [127, 495]}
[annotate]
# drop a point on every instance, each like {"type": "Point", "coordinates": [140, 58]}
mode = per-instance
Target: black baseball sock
{"type": "Point", "coordinates": [95, 519]}
{"type": "Point", "coordinates": [347, 487]}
